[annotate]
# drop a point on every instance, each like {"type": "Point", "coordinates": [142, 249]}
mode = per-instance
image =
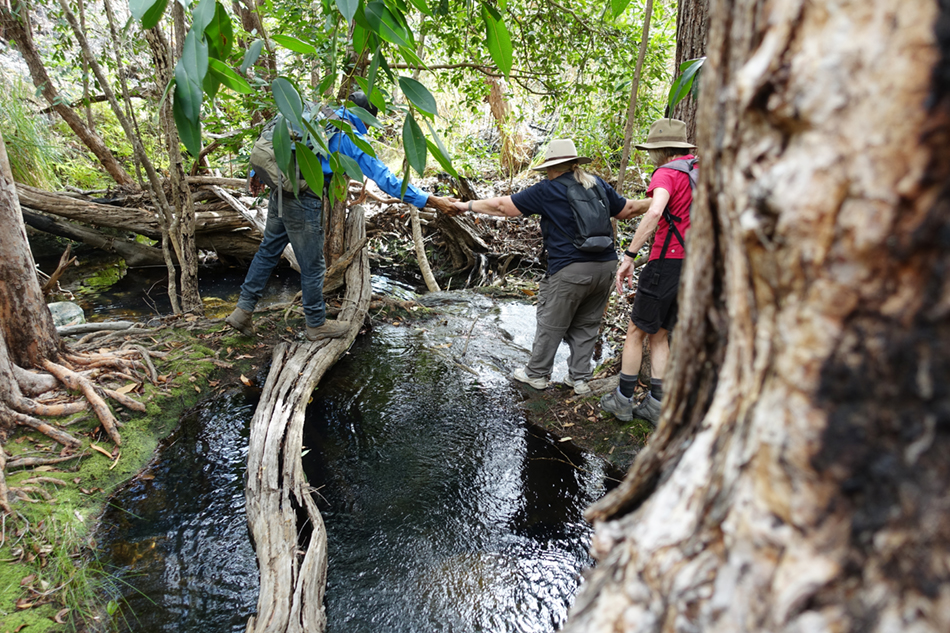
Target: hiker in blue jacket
{"type": "Point", "coordinates": [300, 223]}
{"type": "Point", "coordinates": [574, 292]}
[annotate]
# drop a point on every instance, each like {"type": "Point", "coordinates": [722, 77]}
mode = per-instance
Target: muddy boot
{"type": "Point", "coordinates": [618, 404]}
{"type": "Point", "coordinates": [329, 329]}
{"type": "Point", "coordinates": [648, 410]}
{"type": "Point", "coordinates": [240, 320]}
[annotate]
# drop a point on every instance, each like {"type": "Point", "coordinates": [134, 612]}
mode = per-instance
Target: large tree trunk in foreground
{"type": "Point", "coordinates": [798, 480]}
{"type": "Point", "coordinates": [280, 504]}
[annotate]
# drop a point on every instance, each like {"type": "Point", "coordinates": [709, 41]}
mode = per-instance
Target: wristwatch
{"type": "Point", "coordinates": [469, 205]}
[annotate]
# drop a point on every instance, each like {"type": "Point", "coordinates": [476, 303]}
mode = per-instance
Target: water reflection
{"type": "Point", "coordinates": [444, 510]}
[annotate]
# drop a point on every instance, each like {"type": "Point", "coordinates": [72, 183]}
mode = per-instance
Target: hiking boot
{"type": "Point", "coordinates": [240, 320]}
{"type": "Point", "coordinates": [648, 410]}
{"type": "Point", "coordinates": [521, 376]}
{"type": "Point", "coordinates": [618, 404]}
{"type": "Point", "coordinates": [581, 388]}
{"type": "Point", "coordinates": [329, 329]}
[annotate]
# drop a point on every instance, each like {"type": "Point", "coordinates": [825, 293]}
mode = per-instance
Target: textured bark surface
{"type": "Point", "coordinates": [280, 505]}
{"type": "Point", "coordinates": [798, 478]}
{"type": "Point", "coordinates": [691, 32]}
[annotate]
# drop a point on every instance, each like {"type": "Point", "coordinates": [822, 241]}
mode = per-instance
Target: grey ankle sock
{"type": "Point", "coordinates": [656, 388]}
{"type": "Point", "coordinates": [628, 384]}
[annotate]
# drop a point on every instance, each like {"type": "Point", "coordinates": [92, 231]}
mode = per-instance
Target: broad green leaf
{"type": "Point", "coordinates": [363, 145]}
{"type": "Point", "coordinates": [325, 84]}
{"type": "Point", "coordinates": [376, 97]}
{"type": "Point", "coordinates": [382, 21]}
{"type": "Point", "coordinates": [493, 11]}
{"type": "Point", "coordinates": [371, 75]}
{"type": "Point", "coordinates": [418, 95]}
{"type": "Point", "coordinates": [441, 154]}
{"type": "Point", "coordinates": [283, 153]}
{"type": "Point", "coordinates": [351, 167]}
{"type": "Point", "coordinates": [148, 12]}
{"type": "Point", "coordinates": [311, 167]}
{"type": "Point", "coordinates": [210, 86]}
{"type": "Point", "coordinates": [411, 58]}
{"type": "Point", "coordinates": [422, 6]}
{"type": "Point", "coordinates": [360, 39]}
{"type": "Point", "coordinates": [316, 134]}
{"type": "Point", "coordinates": [294, 44]}
{"type": "Point", "coordinates": [348, 8]}
{"type": "Point", "coordinates": [414, 144]}
{"type": "Point", "coordinates": [363, 115]}
{"type": "Point", "coordinates": [220, 34]}
{"type": "Point", "coordinates": [684, 83]}
{"type": "Point", "coordinates": [202, 15]}
{"type": "Point", "coordinates": [442, 158]}
{"type": "Point", "coordinates": [288, 100]}
{"type": "Point", "coordinates": [498, 41]}
{"type": "Point", "coordinates": [223, 73]}
{"type": "Point", "coordinates": [617, 6]}
{"type": "Point", "coordinates": [253, 52]}
{"type": "Point", "coordinates": [339, 186]}
{"type": "Point", "coordinates": [188, 131]}
{"type": "Point", "coordinates": [190, 73]}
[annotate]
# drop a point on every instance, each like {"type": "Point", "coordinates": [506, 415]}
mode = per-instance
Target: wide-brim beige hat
{"type": "Point", "coordinates": [559, 151]}
{"type": "Point", "coordinates": [666, 133]}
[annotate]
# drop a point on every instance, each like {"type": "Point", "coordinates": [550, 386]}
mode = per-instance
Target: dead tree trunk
{"type": "Point", "coordinates": [798, 478]}
{"type": "Point", "coordinates": [292, 587]}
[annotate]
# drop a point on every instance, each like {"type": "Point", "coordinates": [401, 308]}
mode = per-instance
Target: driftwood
{"type": "Point", "coordinates": [135, 254]}
{"type": "Point", "coordinates": [256, 220]}
{"type": "Point", "coordinates": [85, 328]}
{"type": "Point", "coordinates": [291, 586]}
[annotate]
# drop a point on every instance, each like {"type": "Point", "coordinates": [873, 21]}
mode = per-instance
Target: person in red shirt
{"type": "Point", "coordinates": [654, 306]}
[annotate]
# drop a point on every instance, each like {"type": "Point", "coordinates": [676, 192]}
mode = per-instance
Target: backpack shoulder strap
{"type": "Point", "coordinates": [686, 166]}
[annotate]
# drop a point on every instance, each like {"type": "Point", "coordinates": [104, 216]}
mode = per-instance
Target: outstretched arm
{"type": "Point", "coordinates": [501, 206]}
{"type": "Point", "coordinates": [633, 208]}
{"type": "Point", "coordinates": [647, 225]}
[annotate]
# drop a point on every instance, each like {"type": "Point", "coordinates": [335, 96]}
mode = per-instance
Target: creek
{"type": "Point", "coordinates": [445, 509]}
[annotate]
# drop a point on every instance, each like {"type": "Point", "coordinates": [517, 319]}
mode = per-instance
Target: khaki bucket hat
{"type": "Point", "coordinates": [666, 133]}
{"type": "Point", "coordinates": [559, 151]}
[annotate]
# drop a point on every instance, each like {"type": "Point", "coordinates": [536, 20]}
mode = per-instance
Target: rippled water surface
{"type": "Point", "coordinates": [445, 511]}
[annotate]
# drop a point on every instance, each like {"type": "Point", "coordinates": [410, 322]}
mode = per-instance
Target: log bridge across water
{"type": "Point", "coordinates": [280, 502]}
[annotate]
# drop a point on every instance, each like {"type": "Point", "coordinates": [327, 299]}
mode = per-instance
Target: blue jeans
{"type": "Point", "coordinates": [301, 224]}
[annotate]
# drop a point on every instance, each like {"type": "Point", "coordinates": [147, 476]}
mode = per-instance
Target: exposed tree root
{"type": "Point", "coordinates": [4, 492]}
{"type": "Point", "coordinates": [32, 462]}
{"type": "Point", "coordinates": [45, 428]}
{"type": "Point", "coordinates": [77, 381]}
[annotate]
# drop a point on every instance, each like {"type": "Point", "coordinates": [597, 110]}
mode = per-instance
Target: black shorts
{"type": "Point", "coordinates": [654, 305]}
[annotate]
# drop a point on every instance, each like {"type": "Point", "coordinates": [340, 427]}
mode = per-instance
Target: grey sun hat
{"type": "Point", "coordinates": [559, 151]}
{"type": "Point", "coordinates": [666, 133]}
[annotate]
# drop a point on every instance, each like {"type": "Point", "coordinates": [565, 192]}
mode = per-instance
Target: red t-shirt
{"type": "Point", "coordinates": [681, 197]}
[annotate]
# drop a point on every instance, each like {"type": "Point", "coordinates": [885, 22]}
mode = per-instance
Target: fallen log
{"type": "Point", "coordinates": [291, 587]}
{"type": "Point", "coordinates": [133, 253]}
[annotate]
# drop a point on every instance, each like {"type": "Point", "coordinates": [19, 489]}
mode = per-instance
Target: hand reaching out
{"type": "Point", "coordinates": [443, 205]}
{"type": "Point", "coordinates": [625, 275]}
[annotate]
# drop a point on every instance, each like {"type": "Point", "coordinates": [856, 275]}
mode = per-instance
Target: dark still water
{"type": "Point", "coordinates": [444, 510]}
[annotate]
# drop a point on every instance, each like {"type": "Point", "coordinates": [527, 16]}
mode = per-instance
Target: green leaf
{"type": "Point", "coordinates": [405, 185]}
{"type": "Point", "coordinates": [441, 154]}
{"type": "Point", "coordinates": [282, 148]}
{"type": "Point", "coordinates": [383, 22]}
{"type": "Point", "coordinates": [351, 167]}
{"type": "Point", "coordinates": [223, 73]}
{"type": "Point", "coordinates": [422, 7]}
{"type": "Point", "coordinates": [288, 101]}
{"type": "Point", "coordinates": [325, 84]}
{"type": "Point", "coordinates": [210, 86]}
{"type": "Point", "coordinates": [376, 97]}
{"type": "Point", "coordinates": [363, 115]}
{"type": "Point", "coordinates": [188, 131]}
{"type": "Point", "coordinates": [498, 41]}
{"type": "Point", "coordinates": [190, 73]}
{"type": "Point", "coordinates": [311, 167]}
{"type": "Point", "coordinates": [684, 83]}
{"type": "Point", "coordinates": [418, 95]}
{"type": "Point", "coordinates": [617, 6]}
{"type": "Point", "coordinates": [294, 44]}
{"type": "Point", "coordinates": [251, 55]}
{"type": "Point", "coordinates": [316, 134]}
{"type": "Point", "coordinates": [371, 75]}
{"type": "Point", "coordinates": [414, 143]}
{"type": "Point", "coordinates": [363, 145]}
{"type": "Point", "coordinates": [339, 186]}
{"type": "Point", "coordinates": [442, 158]}
{"type": "Point", "coordinates": [220, 34]}
{"type": "Point", "coordinates": [202, 15]}
{"type": "Point", "coordinates": [360, 39]}
{"type": "Point", "coordinates": [148, 12]}
{"type": "Point", "coordinates": [348, 9]}
{"type": "Point", "coordinates": [493, 11]}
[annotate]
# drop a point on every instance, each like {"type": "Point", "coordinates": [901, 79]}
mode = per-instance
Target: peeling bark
{"type": "Point", "coordinates": [797, 480]}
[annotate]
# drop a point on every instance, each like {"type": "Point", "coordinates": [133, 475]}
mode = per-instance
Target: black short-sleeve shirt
{"type": "Point", "coordinates": [549, 200]}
